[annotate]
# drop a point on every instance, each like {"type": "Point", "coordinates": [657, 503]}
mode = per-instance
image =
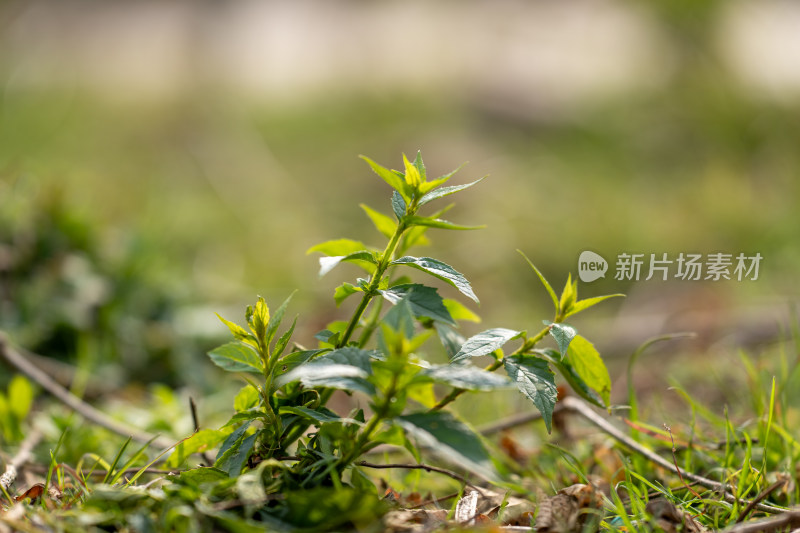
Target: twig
{"type": "Point", "coordinates": [782, 521]}
{"type": "Point", "coordinates": [761, 497]}
{"type": "Point", "coordinates": [16, 359]}
{"type": "Point", "coordinates": [580, 407]}
{"type": "Point", "coordinates": [23, 455]}
{"type": "Point", "coordinates": [677, 469]}
{"type": "Point", "coordinates": [421, 466]}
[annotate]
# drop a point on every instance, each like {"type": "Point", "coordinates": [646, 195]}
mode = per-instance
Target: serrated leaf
{"type": "Point", "coordinates": [573, 379]}
{"type": "Point", "coordinates": [237, 357]}
{"type": "Point", "coordinates": [563, 334]}
{"type": "Point", "coordinates": [276, 318]}
{"type": "Point", "coordinates": [321, 415]}
{"type": "Point", "coordinates": [446, 191]}
{"type": "Point", "coordinates": [586, 303]}
{"type": "Point", "coordinates": [363, 259]}
{"type": "Point", "coordinates": [395, 182]}
{"type": "Point", "coordinates": [401, 318]}
{"type": "Point", "coordinates": [238, 332]}
{"type": "Point", "coordinates": [230, 440]}
{"type": "Point", "coordinates": [339, 247]}
{"type": "Point", "coordinates": [536, 381]}
{"type": "Point", "coordinates": [588, 364]}
{"type": "Point", "coordinates": [417, 220]}
{"type": "Point", "coordinates": [485, 343]}
{"type": "Point", "coordinates": [460, 312]}
{"type": "Point", "coordinates": [440, 270]}
{"type": "Point", "coordinates": [541, 277]}
{"type": "Point", "coordinates": [415, 235]}
{"type": "Point", "coordinates": [343, 291]}
{"type": "Point", "coordinates": [345, 368]}
{"type": "Point", "coordinates": [398, 205]}
{"type": "Point", "coordinates": [382, 223]}
{"type": "Point", "coordinates": [465, 377]}
{"type": "Point", "coordinates": [425, 301]}
{"type": "Point", "coordinates": [450, 438]}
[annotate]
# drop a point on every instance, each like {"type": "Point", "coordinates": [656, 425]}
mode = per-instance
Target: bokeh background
{"type": "Point", "coordinates": [162, 161]}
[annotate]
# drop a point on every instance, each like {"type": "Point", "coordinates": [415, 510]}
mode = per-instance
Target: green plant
{"type": "Point", "coordinates": [377, 354]}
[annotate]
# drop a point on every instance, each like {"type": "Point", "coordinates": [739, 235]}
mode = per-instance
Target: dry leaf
{"type": "Point", "coordinates": [569, 510]}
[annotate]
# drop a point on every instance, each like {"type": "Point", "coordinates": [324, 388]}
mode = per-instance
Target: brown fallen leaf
{"type": "Point", "coordinates": [569, 510]}
{"type": "Point", "coordinates": [34, 493]}
{"type": "Point", "coordinates": [671, 519]}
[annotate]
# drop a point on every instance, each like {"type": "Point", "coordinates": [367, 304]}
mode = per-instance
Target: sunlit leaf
{"type": "Point", "coordinates": [440, 270]}
{"type": "Point", "coordinates": [237, 357]}
{"type": "Point", "coordinates": [485, 343]}
{"type": "Point", "coordinates": [425, 301]}
{"type": "Point", "coordinates": [536, 381]}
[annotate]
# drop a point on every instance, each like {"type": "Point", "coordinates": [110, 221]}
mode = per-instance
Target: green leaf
{"type": "Point", "coordinates": [450, 438]}
{"type": "Point", "coordinates": [343, 291]}
{"type": "Point", "coordinates": [420, 166]}
{"type": "Point", "coordinates": [20, 396]}
{"type": "Point", "coordinates": [203, 440]}
{"type": "Point", "coordinates": [259, 321]}
{"type": "Point", "coordinates": [446, 191]}
{"type": "Point", "coordinates": [295, 359]}
{"type": "Point", "coordinates": [568, 296]}
{"type": "Point", "coordinates": [200, 476]}
{"type": "Point", "coordinates": [417, 220]}
{"type": "Point", "coordinates": [338, 247]}
{"type": "Point", "coordinates": [563, 334]}
{"type": "Point", "coordinates": [426, 187]}
{"type": "Point", "coordinates": [459, 311]}
{"type": "Point", "coordinates": [246, 398]}
{"type": "Point", "coordinates": [573, 379]}
{"type": "Point", "coordinates": [237, 357]}
{"type": "Point", "coordinates": [398, 205]}
{"type": "Point", "coordinates": [547, 286]}
{"type": "Point", "coordinates": [536, 381]}
{"type": "Point", "coordinates": [401, 318]}
{"type": "Point", "coordinates": [395, 182]}
{"type": "Point", "coordinates": [321, 415]}
{"type": "Point", "coordinates": [280, 346]}
{"type": "Point", "coordinates": [238, 332]}
{"type": "Point", "coordinates": [363, 259]}
{"type": "Point", "coordinates": [485, 343]}
{"type": "Point", "coordinates": [232, 461]}
{"type": "Point", "coordinates": [440, 270]}
{"type": "Point", "coordinates": [465, 377]}
{"type": "Point", "coordinates": [588, 364]}
{"type": "Point", "coordinates": [345, 368]}
{"type": "Point", "coordinates": [413, 176]}
{"type": "Point", "coordinates": [276, 319]}
{"type": "Point", "coordinates": [425, 301]}
{"type": "Point", "coordinates": [586, 303]}
{"type": "Point", "coordinates": [384, 224]}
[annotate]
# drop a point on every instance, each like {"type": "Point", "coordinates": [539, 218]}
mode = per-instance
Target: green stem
{"type": "Point", "coordinates": [527, 346]}
{"type": "Point", "coordinates": [372, 289]}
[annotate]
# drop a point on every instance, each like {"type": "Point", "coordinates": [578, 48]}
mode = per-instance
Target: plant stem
{"type": "Point", "coordinates": [383, 264]}
{"type": "Point", "coordinates": [526, 347]}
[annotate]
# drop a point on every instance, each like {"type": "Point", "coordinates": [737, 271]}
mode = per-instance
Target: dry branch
{"type": "Point", "coordinates": [21, 363]}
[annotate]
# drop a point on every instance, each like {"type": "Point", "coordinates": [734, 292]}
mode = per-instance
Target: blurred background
{"type": "Point", "coordinates": [162, 161]}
